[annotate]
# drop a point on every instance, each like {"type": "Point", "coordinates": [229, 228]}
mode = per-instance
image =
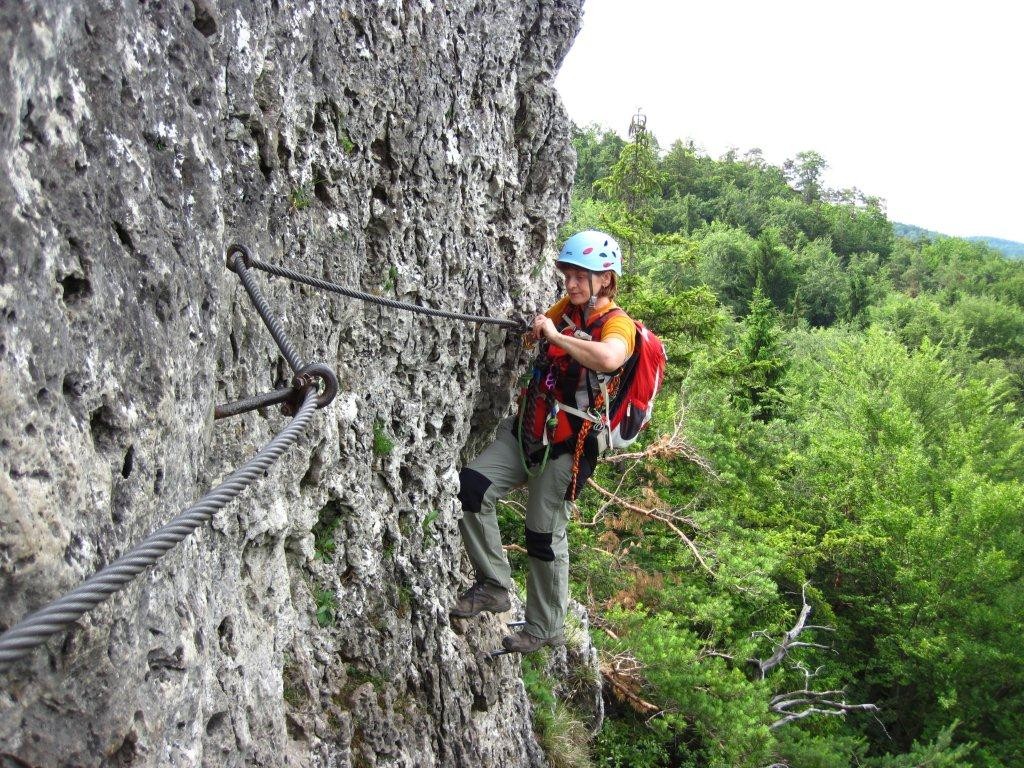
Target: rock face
{"type": "Point", "coordinates": [407, 147]}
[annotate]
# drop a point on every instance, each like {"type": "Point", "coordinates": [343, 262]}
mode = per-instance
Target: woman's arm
{"type": "Point", "coordinates": [603, 356]}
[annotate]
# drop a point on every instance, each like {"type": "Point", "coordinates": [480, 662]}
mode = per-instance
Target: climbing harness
{"type": "Point", "coordinates": [590, 425]}
{"type": "Point", "coordinates": [620, 404]}
{"type": "Point", "coordinates": [545, 417]}
{"type": "Point", "coordinates": [536, 380]}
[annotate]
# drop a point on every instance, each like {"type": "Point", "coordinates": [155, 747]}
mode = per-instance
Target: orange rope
{"type": "Point", "coordinates": [581, 438]}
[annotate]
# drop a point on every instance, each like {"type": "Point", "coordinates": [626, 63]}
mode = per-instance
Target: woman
{"type": "Point", "coordinates": [551, 445]}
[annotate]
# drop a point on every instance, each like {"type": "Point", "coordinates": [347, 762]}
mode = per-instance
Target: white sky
{"type": "Point", "coordinates": [919, 103]}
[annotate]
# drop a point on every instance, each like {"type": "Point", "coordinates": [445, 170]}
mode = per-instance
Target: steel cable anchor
{"type": "Point", "coordinates": [306, 378]}
{"type": "Point", "coordinates": [289, 398]}
{"type": "Point", "coordinates": [504, 651]}
{"type": "Point", "coordinates": [240, 261]}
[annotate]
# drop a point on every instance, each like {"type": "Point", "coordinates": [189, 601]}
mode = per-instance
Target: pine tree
{"type": "Point", "coordinates": [765, 358]}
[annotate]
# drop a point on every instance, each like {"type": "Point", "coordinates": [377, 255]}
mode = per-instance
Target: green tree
{"type": "Point", "coordinates": [996, 328]}
{"type": "Point", "coordinates": [860, 226]}
{"type": "Point", "coordinates": [597, 150]}
{"type": "Point", "coordinates": [796, 221]}
{"type": "Point", "coordinates": [880, 461]}
{"type": "Point", "coordinates": [823, 293]}
{"type": "Point", "coordinates": [774, 268]}
{"type": "Point", "coordinates": [912, 475]}
{"type": "Point", "coordinates": [764, 357]}
{"type": "Point", "coordinates": [804, 172]}
{"type": "Point", "coordinates": [634, 182]}
{"type": "Point", "coordinates": [913, 320]}
{"type": "Point", "coordinates": [680, 214]}
{"type": "Point", "coordinates": [728, 264]}
{"type": "Point", "coordinates": [680, 169]}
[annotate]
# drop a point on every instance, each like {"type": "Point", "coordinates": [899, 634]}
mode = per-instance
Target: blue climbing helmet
{"type": "Point", "coordinates": [592, 250]}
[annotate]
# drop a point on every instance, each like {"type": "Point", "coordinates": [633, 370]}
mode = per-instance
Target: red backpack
{"type": "Point", "coordinates": [641, 378]}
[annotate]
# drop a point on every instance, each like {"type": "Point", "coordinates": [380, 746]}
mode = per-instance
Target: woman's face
{"type": "Point", "coordinates": [577, 284]}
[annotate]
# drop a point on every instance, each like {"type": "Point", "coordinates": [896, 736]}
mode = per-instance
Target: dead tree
{"type": "Point", "coordinates": [804, 702]}
{"type": "Point", "coordinates": [796, 705]}
{"type": "Point", "coordinates": [789, 640]}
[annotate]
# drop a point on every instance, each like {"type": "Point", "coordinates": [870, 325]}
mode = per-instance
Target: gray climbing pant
{"type": "Point", "coordinates": [485, 480]}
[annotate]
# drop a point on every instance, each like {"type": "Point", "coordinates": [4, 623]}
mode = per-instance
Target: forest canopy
{"type": "Point", "coordinates": [815, 556]}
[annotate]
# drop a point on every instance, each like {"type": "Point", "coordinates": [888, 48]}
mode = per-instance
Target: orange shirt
{"type": "Point", "coordinates": [620, 326]}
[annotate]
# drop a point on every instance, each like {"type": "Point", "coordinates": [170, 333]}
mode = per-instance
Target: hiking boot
{"type": "Point", "coordinates": [523, 642]}
{"type": "Point", "coordinates": [479, 598]}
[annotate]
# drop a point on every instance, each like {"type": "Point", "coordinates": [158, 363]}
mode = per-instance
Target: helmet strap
{"type": "Point", "coordinates": [592, 301]}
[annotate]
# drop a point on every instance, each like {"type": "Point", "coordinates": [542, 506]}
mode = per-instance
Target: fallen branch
{"type": "Point", "coordinates": [622, 479]}
{"type": "Point", "coordinates": [517, 507]}
{"type": "Point", "coordinates": [653, 515]}
{"type": "Point", "coordinates": [834, 708]}
{"type": "Point", "coordinates": [667, 447]}
{"type": "Point", "coordinates": [798, 704]}
{"type": "Point", "coordinates": [598, 622]}
{"type": "Point", "coordinates": [622, 672]}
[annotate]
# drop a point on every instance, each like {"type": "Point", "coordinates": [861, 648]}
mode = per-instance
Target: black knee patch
{"type": "Point", "coordinates": [472, 487]}
{"type": "Point", "coordinates": [538, 545]}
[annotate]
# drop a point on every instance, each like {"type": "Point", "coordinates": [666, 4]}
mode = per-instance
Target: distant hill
{"type": "Point", "coordinates": [911, 232]}
{"type": "Point", "coordinates": [1008, 248]}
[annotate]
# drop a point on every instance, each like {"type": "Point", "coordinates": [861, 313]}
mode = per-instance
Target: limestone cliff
{"type": "Point", "coordinates": [407, 147]}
